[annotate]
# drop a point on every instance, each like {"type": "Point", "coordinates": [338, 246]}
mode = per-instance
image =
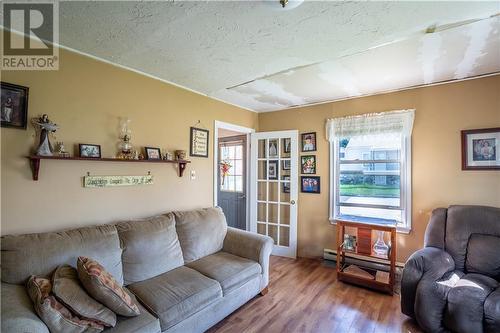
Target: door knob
{"type": "Point", "coordinates": [292, 202]}
{"type": "Point", "coordinates": [243, 196]}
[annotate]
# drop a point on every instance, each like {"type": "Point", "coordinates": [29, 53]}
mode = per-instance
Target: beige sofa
{"type": "Point", "coordinates": [187, 269]}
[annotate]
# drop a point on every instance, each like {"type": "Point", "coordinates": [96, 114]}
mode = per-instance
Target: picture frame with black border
{"type": "Point", "coordinates": [87, 150]}
{"type": "Point", "coordinates": [14, 106]}
{"type": "Point", "coordinates": [308, 164]}
{"type": "Point", "coordinates": [310, 184]}
{"type": "Point", "coordinates": [308, 141]}
{"type": "Point", "coordinates": [199, 142]}
{"type": "Point", "coordinates": [152, 153]}
{"type": "Point", "coordinates": [286, 185]}
{"type": "Point", "coordinates": [286, 164]}
{"type": "Point", "coordinates": [272, 170]}
{"type": "Point", "coordinates": [287, 143]}
{"type": "Point", "coordinates": [273, 148]}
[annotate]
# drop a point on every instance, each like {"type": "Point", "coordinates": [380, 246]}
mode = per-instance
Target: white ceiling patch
{"type": "Point", "coordinates": [478, 33]}
{"type": "Point", "coordinates": [429, 53]}
{"type": "Point", "coordinates": [339, 76]}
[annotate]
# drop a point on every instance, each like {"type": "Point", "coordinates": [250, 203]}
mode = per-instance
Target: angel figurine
{"type": "Point", "coordinates": [46, 127]}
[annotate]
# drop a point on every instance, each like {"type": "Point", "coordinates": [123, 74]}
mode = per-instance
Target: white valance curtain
{"type": "Point", "coordinates": [393, 122]}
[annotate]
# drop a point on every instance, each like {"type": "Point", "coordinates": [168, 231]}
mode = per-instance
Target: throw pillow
{"type": "Point", "coordinates": [103, 287]}
{"type": "Point", "coordinates": [55, 315]}
{"type": "Point", "coordinates": [69, 291]}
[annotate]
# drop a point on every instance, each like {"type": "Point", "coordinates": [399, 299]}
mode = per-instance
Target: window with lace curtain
{"type": "Point", "coordinates": [370, 176]}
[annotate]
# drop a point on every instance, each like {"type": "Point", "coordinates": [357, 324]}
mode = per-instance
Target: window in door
{"type": "Point", "coordinates": [231, 167]}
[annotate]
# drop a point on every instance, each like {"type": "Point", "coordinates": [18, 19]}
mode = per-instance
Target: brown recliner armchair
{"type": "Point", "coordinates": [453, 284]}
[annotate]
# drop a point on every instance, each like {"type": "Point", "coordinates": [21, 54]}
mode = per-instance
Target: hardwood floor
{"type": "Point", "coordinates": [304, 296]}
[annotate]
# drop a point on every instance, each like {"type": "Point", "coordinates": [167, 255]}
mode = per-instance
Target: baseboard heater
{"type": "Point", "coordinates": [354, 259]}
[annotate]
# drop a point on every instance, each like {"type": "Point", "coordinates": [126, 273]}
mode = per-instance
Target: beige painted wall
{"type": "Point", "coordinates": [438, 181]}
{"type": "Point", "coordinates": [86, 98]}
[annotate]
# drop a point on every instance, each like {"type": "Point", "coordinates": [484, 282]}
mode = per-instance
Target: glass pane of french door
{"type": "Point", "coordinates": [276, 189]}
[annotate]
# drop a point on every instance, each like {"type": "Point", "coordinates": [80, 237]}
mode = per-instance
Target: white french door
{"type": "Point", "coordinates": [273, 189]}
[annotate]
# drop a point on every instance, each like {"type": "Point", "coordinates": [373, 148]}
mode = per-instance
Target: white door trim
{"type": "Point", "coordinates": [291, 250]}
{"type": "Point", "coordinates": [237, 128]}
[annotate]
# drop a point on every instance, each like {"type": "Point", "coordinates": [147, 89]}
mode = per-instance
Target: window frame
{"type": "Point", "coordinates": [405, 183]}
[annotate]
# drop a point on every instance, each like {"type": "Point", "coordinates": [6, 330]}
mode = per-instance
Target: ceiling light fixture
{"type": "Point", "coordinates": [283, 4]}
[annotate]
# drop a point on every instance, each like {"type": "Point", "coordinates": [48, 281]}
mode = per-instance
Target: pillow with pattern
{"type": "Point", "coordinates": [69, 291]}
{"type": "Point", "coordinates": [55, 315]}
{"type": "Point", "coordinates": [103, 287]}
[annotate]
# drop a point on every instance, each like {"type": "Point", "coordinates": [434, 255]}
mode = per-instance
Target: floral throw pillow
{"type": "Point", "coordinates": [54, 314]}
{"type": "Point", "coordinates": [103, 287]}
{"type": "Point", "coordinates": [69, 291]}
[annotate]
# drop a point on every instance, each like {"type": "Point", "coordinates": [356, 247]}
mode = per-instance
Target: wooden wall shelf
{"type": "Point", "coordinates": [35, 162]}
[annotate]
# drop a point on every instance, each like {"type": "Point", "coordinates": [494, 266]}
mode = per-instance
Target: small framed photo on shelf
{"type": "Point", "coordinates": [286, 164]}
{"type": "Point", "coordinates": [349, 242]}
{"type": "Point", "coordinates": [308, 141]}
{"type": "Point", "coordinates": [310, 184]}
{"type": "Point", "coordinates": [14, 106]}
{"type": "Point", "coordinates": [286, 184]}
{"type": "Point", "coordinates": [199, 142]}
{"type": "Point", "coordinates": [152, 153]}
{"type": "Point", "coordinates": [308, 164]}
{"type": "Point", "coordinates": [273, 170]}
{"type": "Point", "coordinates": [480, 149]}
{"type": "Point", "coordinates": [89, 150]}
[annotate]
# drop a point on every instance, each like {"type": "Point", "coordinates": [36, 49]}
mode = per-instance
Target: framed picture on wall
{"type": "Point", "coordinates": [310, 184]}
{"type": "Point", "coordinates": [308, 164]}
{"type": "Point", "coordinates": [14, 106]}
{"type": "Point", "coordinates": [273, 170]}
{"type": "Point", "coordinates": [286, 184]}
{"type": "Point", "coordinates": [287, 145]}
{"type": "Point", "coordinates": [199, 142]}
{"type": "Point", "coordinates": [480, 149]}
{"type": "Point", "coordinates": [308, 141]}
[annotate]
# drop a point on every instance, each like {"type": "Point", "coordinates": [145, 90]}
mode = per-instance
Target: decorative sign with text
{"type": "Point", "coordinates": [199, 142]}
{"type": "Point", "coordinates": [112, 181]}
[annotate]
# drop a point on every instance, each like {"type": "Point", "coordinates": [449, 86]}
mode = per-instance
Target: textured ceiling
{"type": "Point", "coordinates": [248, 54]}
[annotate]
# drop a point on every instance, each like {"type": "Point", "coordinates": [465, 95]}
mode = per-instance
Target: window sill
{"type": "Point", "coordinates": [399, 229]}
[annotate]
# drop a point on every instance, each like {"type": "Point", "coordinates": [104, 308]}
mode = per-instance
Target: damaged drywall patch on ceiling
{"type": "Point", "coordinates": [457, 51]}
{"type": "Point", "coordinates": [478, 34]}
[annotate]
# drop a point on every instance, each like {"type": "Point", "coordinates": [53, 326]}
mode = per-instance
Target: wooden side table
{"type": "Point", "coordinates": [366, 277]}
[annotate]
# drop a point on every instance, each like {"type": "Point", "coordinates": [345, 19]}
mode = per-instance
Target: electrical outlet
{"type": "Point", "coordinates": [193, 175]}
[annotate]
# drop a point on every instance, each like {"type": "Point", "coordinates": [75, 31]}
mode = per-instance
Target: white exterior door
{"type": "Point", "coordinates": [273, 189]}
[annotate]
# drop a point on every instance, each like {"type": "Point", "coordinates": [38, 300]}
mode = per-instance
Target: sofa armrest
{"type": "Point", "coordinates": [18, 314]}
{"type": "Point", "coordinates": [429, 263]}
{"type": "Point", "coordinates": [251, 246]}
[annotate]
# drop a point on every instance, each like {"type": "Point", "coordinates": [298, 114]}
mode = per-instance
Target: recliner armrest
{"type": "Point", "coordinates": [18, 314]}
{"type": "Point", "coordinates": [251, 246]}
{"type": "Point", "coordinates": [429, 263]}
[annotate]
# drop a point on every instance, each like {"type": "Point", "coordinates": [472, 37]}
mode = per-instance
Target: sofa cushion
{"type": "Point", "coordinates": [465, 308]}
{"type": "Point", "coordinates": [229, 270]}
{"type": "Point", "coordinates": [492, 312]}
{"type": "Point", "coordinates": [17, 311]}
{"type": "Point", "coordinates": [69, 291]}
{"type": "Point", "coordinates": [150, 247]}
{"type": "Point", "coordinates": [464, 221]}
{"type": "Point", "coordinates": [483, 255]}
{"type": "Point", "coordinates": [40, 254]}
{"type": "Point", "coordinates": [201, 232]}
{"type": "Point", "coordinates": [176, 295]}
{"type": "Point", "coordinates": [103, 287]}
{"type": "Point", "coordinates": [143, 323]}
{"type": "Point", "coordinates": [55, 315]}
